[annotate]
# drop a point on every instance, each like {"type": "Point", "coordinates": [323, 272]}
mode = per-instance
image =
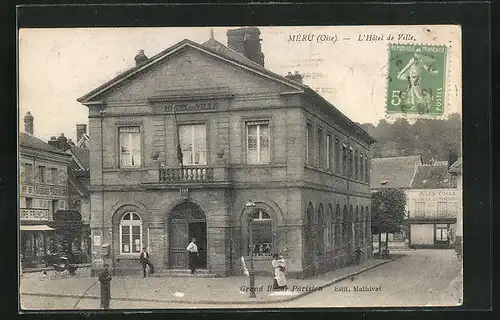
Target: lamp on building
{"type": "Point", "coordinates": [248, 207]}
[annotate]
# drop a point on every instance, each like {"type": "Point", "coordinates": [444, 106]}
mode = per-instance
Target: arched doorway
{"type": "Point", "coordinates": [187, 220]}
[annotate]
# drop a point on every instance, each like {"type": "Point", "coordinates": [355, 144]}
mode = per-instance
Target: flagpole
{"type": "Point", "coordinates": [179, 150]}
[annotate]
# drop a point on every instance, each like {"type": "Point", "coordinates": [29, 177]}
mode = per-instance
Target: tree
{"type": "Point", "coordinates": [388, 212]}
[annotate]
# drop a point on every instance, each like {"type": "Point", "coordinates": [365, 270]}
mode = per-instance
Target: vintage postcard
{"type": "Point", "coordinates": [240, 167]}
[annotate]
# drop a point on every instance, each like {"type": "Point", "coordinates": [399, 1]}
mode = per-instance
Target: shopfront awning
{"type": "Point", "coordinates": [39, 227]}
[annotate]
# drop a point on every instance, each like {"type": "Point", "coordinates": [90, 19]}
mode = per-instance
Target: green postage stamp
{"type": "Point", "coordinates": [416, 80]}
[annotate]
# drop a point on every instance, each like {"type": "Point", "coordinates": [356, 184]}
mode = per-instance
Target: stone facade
{"type": "Point", "coordinates": [224, 95]}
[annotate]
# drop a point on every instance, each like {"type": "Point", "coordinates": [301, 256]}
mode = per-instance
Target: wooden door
{"type": "Point", "coordinates": [199, 231]}
{"type": "Point", "coordinates": [178, 242]}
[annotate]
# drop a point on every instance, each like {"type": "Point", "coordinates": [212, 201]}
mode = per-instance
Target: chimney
{"type": "Point", "coordinates": [295, 77]}
{"type": "Point", "coordinates": [246, 41]}
{"type": "Point", "coordinates": [140, 57]}
{"type": "Point", "coordinates": [53, 142]}
{"type": "Point", "coordinates": [81, 129]}
{"type": "Point", "coordinates": [28, 123]}
{"type": "Point", "coordinates": [62, 142]}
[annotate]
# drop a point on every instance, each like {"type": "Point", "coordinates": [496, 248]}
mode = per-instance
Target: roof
{"type": "Point", "coordinates": [217, 49]}
{"type": "Point", "coordinates": [456, 167]}
{"type": "Point", "coordinates": [26, 140]}
{"type": "Point", "coordinates": [432, 177]}
{"type": "Point", "coordinates": [82, 156]}
{"type": "Point", "coordinates": [393, 172]}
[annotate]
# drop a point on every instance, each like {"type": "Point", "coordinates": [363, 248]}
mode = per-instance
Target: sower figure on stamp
{"type": "Point", "coordinates": [192, 248]}
{"type": "Point", "coordinates": [279, 282]}
{"type": "Point", "coordinates": [145, 261]}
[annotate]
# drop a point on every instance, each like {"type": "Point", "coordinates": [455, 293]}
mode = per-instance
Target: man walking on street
{"type": "Point", "coordinates": [146, 262]}
{"type": "Point", "coordinates": [192, 248]}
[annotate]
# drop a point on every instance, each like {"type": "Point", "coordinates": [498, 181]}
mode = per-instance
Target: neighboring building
{"type": "Point", "coordinates": [244, 133]}
{"type": "Point", "coordinates": [43, 194]}
{"type": "Point", "coordinates": [457, 173]}
{"type": "Point", "coordinates": [432, 207]}
{"type": "Point", "coordinates": [77, 218]}
{"type": "Point", "coordinates": [394, 172]}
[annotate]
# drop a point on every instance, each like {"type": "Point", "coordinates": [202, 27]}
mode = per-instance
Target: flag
{"type": "Point", "coordinates": [179, 150]}
{"type": "Point", "coordinates": [245, 270]}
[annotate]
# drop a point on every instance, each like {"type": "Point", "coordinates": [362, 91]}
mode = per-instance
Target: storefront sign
{"type": "Point", "coordinates": [435, 195]}
{"type": "Point", "coordinates": [34, 214]}
{"type": "Point", "coordinates": [197, 106]}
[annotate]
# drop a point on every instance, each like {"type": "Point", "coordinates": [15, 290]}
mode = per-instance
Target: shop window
{"type": "Point", "coordinates": [193, 139]}
{"type": "Point", "coordinates": [130, 233]}
{"type": "Point", "coordinates": [442, 231]}
{"type": "Point", "coordinates": [130, 147]}
{"type": "Point", "coordinates": [262, 234]}
{"type": "Point", "coordinates": [258, 142]}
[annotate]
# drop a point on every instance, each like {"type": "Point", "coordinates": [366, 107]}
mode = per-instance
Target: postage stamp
{"type": "Point", "coordinates": [416, 82]}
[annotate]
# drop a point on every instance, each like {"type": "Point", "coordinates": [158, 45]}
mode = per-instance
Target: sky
{"type": "Point", "coordinates": [57, 66]}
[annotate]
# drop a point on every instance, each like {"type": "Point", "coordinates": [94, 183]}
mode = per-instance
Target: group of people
{"type": "Point", "coordinates": [192, 249]}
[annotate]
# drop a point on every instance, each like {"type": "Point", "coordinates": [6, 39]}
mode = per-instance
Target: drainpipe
{"type": "Point", "coordinates": [102, 113]}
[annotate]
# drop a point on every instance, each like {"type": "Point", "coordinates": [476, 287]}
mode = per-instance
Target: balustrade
{"type": "Point", "coordinates": [186, 174]}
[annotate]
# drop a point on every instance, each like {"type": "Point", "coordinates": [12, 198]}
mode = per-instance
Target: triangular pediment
{"type": "Point", "coordinates": [189, 65]}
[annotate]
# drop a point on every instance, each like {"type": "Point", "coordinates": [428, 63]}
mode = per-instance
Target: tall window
{"type": "Point", "coordinates": [344, 159]}
{"type": "Point", "coordinates": [29, 203]}
{"type": "Point", "coordinates": [131, 233]}
{"type": "Point", "coordinates": [262, 234]}
{"type": "Point", "coordinates": [130, 147]}
{"type": "Point", "coordinates": [356, 165]}
{"type": "Point", "coordinates": [367, 170]}
{"type": "Point", "coordinates": [337, 155]}
{"type": "Point", "coordinates": [258, 142]}
{"type": "Point", "coordinates": [54, 175]}
{"type": "Point", "coordinates": [362, 168]}
{"type": "Point", "coordinates": [362, 224]}
{"type": "Point", "coordinates": [309, 145]}
{"type": "Point", "coordinates": [41, 174]}
{"type": "Point", "coordinates": [319, 151]}
{"type": "Point", "coordinates": [441, 209]}
{"type": "Point", "coordinates": [419, 209]}
{"type": "Point", "coordinates": [351, 164]}
{"type": "Point", "coordinates": [28, 172]}
{"type": "Point", "coordinates": [193, 144]}
{"type": "Point", "coordinates": [328, 151]}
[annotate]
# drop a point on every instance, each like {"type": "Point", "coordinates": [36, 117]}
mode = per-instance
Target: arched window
{"type": "Point", "coordinates": [331, 224]}
{"type": "Point", "coordinates": [309, 229]}
{"type": "Point", "coordinates": [356, 227]}
{"type": "Point", "coordinates": [368, 224]}
{"type": "Point", "coordinates": [338, 230]}
{"type": "Point", "coordinates": [345, 225]}
{"type": "Point", "coordinates": [362, 226]}
{"type": "Point", "coordinates": [262, 233]}
{"type": "Point", "coordinates": [130, 233]}
{"type": "Point", "coordinates": [320, 240]}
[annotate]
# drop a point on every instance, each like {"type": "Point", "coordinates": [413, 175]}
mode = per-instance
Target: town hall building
{"type": "Point", "coordinates": [202, 141]}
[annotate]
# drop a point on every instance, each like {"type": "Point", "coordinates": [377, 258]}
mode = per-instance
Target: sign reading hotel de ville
{"type": "Point", "coordinates": [207, 137]}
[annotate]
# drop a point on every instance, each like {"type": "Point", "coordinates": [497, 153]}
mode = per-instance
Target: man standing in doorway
{"type": "Point", "coordinates": [146, 262]}
{"type": "Point", "coordinates": [192, 248]}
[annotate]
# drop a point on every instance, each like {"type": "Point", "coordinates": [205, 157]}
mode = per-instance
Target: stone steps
{"type": "Point", "coordinates": [184, 273]}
